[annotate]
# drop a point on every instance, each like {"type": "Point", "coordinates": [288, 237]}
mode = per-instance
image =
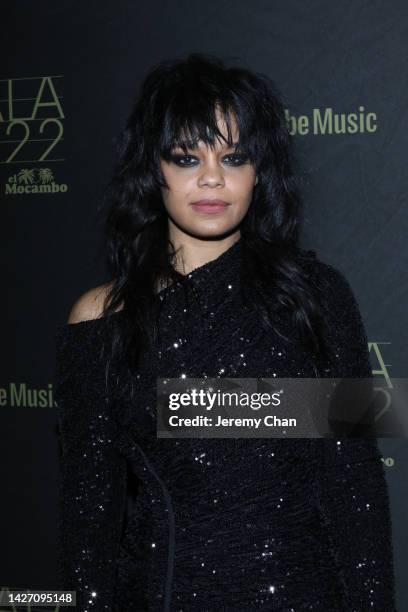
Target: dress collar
{"type": "Point", "coordinates": [212, 281]}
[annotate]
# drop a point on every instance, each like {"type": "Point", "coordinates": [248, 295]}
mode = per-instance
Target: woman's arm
{"type": "Point", "coordinates": [349, 485]}
{"type": "Point", "coordinates": [93, 473]}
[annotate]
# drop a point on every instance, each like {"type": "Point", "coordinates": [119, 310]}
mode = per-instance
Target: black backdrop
{"type": "Point", "coordinates": [69, 73]}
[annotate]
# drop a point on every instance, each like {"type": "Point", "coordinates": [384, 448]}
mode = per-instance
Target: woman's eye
{"type": "Point", "coordinates": [182, 160]}
{"type": "Point", "coordinates": [189, 160]}
{"type": "Point", "coordinates": [239, 159]}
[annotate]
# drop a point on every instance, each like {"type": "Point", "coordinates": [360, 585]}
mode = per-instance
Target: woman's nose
{"type": "Point", "coordinates": [211, 174]}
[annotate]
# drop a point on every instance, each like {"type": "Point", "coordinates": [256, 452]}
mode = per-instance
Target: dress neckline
{"type": "Point", "coordinates": [225, 262]}
{"type": "Point", "coordinates": [207, 278]}
{"type": "Point", "coordinates": [219, 261]}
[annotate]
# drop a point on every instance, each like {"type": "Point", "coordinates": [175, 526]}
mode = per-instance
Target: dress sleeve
{"type": "Point", "coordinates": [92, 473]}
{"type": "Point", "coordinates": [349, 485]}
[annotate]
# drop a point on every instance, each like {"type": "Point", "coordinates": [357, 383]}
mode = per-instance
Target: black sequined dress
{"type": "Point", "coordinates": [198, 525]}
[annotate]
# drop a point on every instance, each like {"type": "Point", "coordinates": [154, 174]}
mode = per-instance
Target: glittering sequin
{"type": "Point", "coordinates": [192, 525]}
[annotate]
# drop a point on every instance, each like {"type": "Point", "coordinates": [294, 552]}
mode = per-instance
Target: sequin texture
{"type": "Point", "coordinates": [217, 524]}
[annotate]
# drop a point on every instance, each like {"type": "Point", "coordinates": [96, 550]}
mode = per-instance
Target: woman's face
{"type": "Point", "coordinates": [208, 174]}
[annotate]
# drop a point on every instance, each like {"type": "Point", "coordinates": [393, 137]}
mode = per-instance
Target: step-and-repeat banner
{"type": "Point", "coordinates": [69, 75]}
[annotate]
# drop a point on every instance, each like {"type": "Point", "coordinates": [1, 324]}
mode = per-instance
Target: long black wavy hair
{"type": "Point", "coordinates": [177, 98]}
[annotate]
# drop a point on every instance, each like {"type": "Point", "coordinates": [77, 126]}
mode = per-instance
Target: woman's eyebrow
{"type": "Point", "coordinates": [194, 145]}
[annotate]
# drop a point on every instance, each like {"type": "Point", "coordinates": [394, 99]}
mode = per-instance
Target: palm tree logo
{"type": "Point", "coordinates": [26, 176]}
{"type": "Point", "coordinates": [44, 176]}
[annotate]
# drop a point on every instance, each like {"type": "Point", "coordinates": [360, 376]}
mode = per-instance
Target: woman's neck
{"type": "Point", "coordinates": [193, 253]}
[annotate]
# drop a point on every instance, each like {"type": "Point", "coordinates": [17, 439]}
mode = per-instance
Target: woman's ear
{"type": "Point", "coordinates": [256, 180]}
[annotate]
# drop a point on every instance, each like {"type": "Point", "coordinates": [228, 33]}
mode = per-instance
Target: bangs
{"type": "Point", "coordinates": [187, 102]}
{"type": "Point", "coordinates": [188, 122]}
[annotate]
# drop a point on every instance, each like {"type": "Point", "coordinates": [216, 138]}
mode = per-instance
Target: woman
{"type": "Point", "coordinates": [209, 281]}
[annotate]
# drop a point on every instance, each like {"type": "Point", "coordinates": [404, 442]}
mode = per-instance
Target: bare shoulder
{"type": "Point", "coordinates": [90, 304]}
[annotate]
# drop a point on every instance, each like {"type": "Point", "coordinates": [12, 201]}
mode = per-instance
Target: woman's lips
{"type": "Point", "coordinates": [210, 206]}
